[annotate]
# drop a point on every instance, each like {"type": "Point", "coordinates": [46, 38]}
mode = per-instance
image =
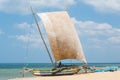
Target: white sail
{"type": "Point", "coordinates": [64, 41]}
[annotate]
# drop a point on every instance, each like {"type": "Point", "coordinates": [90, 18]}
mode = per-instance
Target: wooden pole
{"type": "Point", "coordinates": [42, 36]}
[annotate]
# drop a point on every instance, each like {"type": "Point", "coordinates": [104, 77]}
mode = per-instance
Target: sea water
{"type": "Point", "coordinates": [13, 70]}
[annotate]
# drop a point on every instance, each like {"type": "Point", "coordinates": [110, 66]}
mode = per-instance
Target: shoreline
{"type": "Point", "coordinates": [88, 76]}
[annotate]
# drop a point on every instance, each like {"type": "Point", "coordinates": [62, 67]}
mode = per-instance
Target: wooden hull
{"type": "Point", "coordinates": [58, 72]}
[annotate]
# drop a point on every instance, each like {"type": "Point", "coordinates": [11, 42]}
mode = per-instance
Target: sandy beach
{"type": "Point", "coordinates": [89, 76]}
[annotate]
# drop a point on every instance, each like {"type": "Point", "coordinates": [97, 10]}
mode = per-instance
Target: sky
{"type": "Point", "coordinates": [97, 23]}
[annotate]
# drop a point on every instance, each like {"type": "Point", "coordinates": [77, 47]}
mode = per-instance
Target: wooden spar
{"type": "Point", "coordinates": [42, 36]}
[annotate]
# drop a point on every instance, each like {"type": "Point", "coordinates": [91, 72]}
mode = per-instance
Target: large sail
{"type": "Point", "coordinates": [64, 41]}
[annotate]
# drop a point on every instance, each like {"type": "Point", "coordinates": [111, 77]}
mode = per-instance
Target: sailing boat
{"type": "Point", "coordinates": [64, 43]}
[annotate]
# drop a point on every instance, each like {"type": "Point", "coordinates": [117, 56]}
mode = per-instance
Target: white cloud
{"type": "Point", "coordinates": [1, 32]}
{"type": "Point", "coordinates": [28, 38]}
{"type": "Point", "coordinates": [23, 6]}
{"type": "Point", "coordinates": [31, 34]}
{"type": "Point", "coordinates": [105, 5]}
{"type": "Point", "coordinates": [33, 40]}
{"type": "Point", "coordinates": [115, 39]}
{"type": "Point", "coordinates": [28, 28]}
{"type": "Point", "coordinates": [23, 26]}
{"type": "Point", "coordinates": [99, 34]}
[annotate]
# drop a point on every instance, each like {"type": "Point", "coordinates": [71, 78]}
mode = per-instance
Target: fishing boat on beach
{"type": "Point", "coordinates": [64, 43]}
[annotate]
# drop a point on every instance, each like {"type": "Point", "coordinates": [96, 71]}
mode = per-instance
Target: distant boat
{"type": "Point", "coordinates": [64, 43]}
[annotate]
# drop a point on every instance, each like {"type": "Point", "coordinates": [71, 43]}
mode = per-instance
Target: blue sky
{"type": "Point", "coordinates": [96, 21]}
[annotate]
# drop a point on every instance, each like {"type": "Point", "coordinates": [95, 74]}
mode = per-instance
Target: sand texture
{"type": "Point", "coordinates": [89, 76]}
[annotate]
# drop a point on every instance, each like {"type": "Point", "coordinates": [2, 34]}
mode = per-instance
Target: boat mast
{"type": "Point", "coordinates": [42, 36]}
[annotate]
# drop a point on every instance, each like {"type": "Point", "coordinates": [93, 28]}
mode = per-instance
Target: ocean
{"type": "Point", "coordinates": [13, 70]}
